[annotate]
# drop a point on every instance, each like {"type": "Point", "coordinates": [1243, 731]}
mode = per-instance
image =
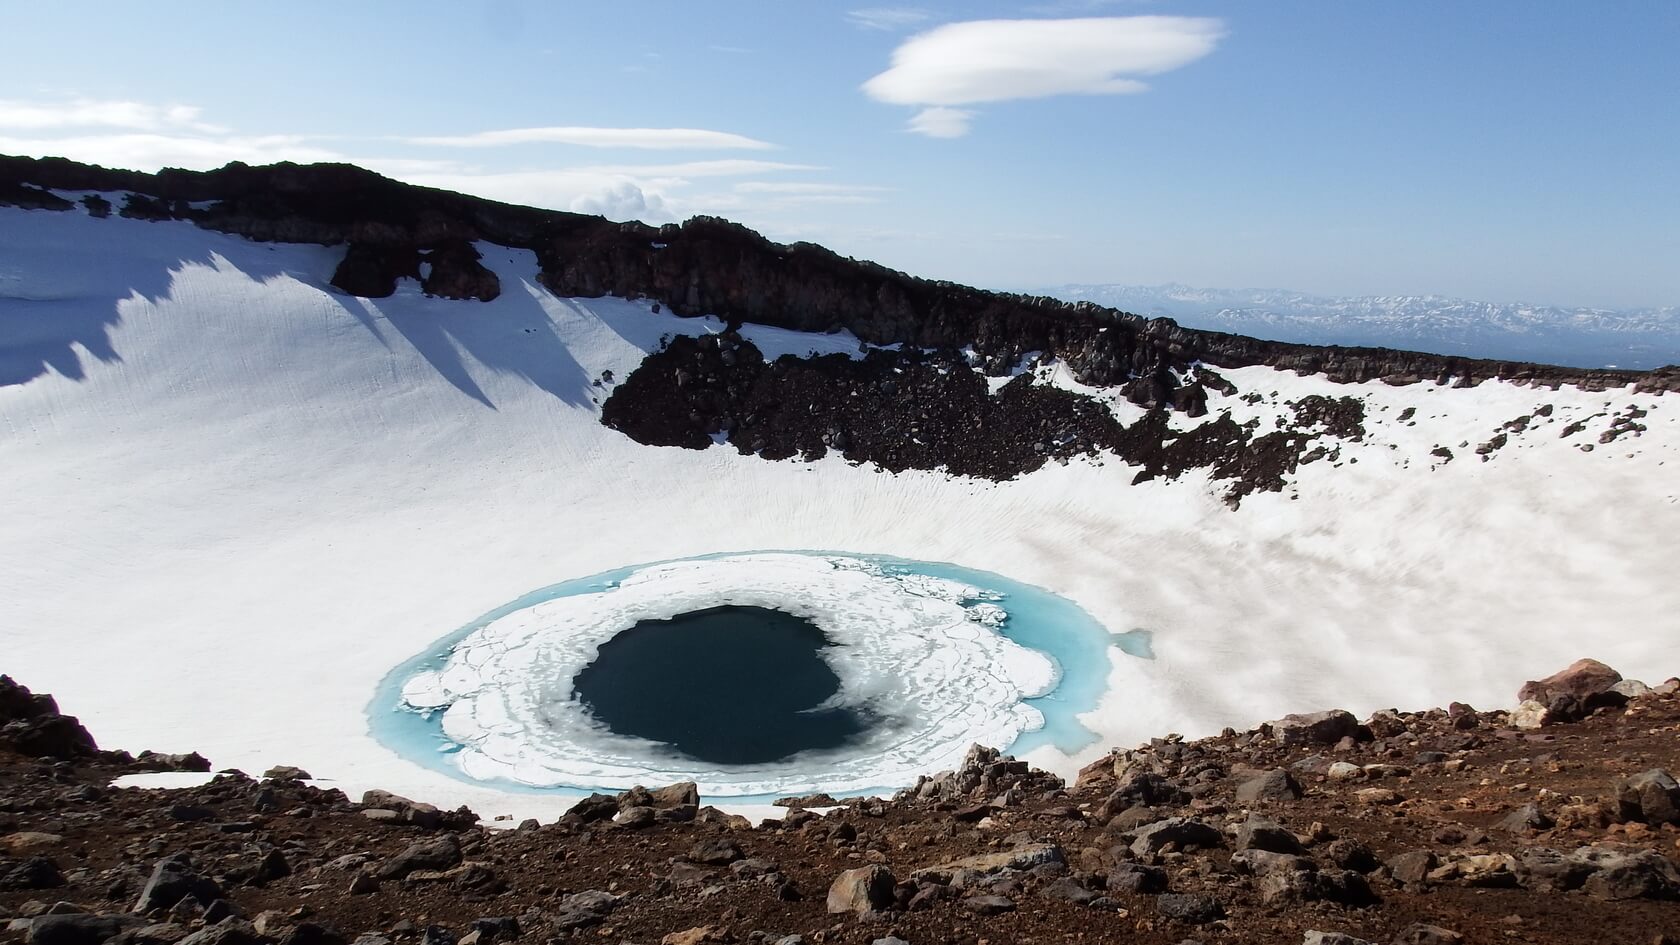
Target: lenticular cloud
{"type": "Point", "coordinates": [921, 654]}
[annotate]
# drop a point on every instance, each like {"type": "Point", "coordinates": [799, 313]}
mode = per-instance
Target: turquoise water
{"type": "Point", "coordinates": [1038, 619]}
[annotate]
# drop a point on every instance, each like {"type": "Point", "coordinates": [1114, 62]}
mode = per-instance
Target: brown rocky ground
{"type": "Point", "coordinates": [1438, 826]}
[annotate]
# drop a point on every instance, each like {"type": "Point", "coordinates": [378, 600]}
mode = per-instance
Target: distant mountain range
{"type": "Point", "coordinates": [1578, 337]}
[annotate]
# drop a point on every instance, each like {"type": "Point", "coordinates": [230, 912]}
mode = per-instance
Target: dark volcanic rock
{"type": "Point", "coordinates": [31, 725]}
{"type": "Point", "coordinates": [441, 853]}
{"type": "Point", "coordinates": [172, 880]}
{"type": "Point", "coordinates": [1195, 909]}
{"type": "Point", "coordinates": [78, 929]}
{"type": "Point", "coordinates": [1650, 797]}
{"type": "Point", "coordinates": [1316, 728]}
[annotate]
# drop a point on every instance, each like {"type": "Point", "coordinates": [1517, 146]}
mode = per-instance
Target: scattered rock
{"type": "Point", "coordinates": [1420, 934]}
{"type": "Point", "coordinates": [985, 905]}
{"type": "Point", "coordinates": [171, 881]}
{"type": "Point", "coordinates": [715, 852]}
{"type": "Point", "coordinates": [584, 909]}
{"type": "Point", "coordinates": [1257, 833]}
{"type": "Point", "coordinates": [866, 889]}
{"type": "Point", "coordinates": [437, 854]}
{"type": "Point", "coordinates": [1274, 785]}
{"type": "Point", "coordinates": [1331, 938]}
{"type": "Point", "coordinates": [1316, 728]}
{"type": "Point", "coordinates": [1194, 909]}
{"type": "Point", "coordinates": [1181, 832]}
{"type": "Point", "coordinates": [1137, 878]}
{"type": "Point", "coordinates": [1650, 797]}
{"type": "Point", "coordinates": [1530, 715]}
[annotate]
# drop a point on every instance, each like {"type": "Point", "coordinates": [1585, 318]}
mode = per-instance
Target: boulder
{"type": "Point", "coordinates": [1631, 689]}
{"type": "Point", "coordinates": [1137, 878]}
{"type": "Point", "coordinates": [29, 841]}
{"type": "Point", "coordinates": [584, 909]}
{"type": "Point", "coordinates": [715, 852]}
{"type": "Point", "coordinates": [1650, 797]}
{"type": "Point", "coordinates": [1257, 833]}
{"type": "Point", "coordinates": [1584, 679]}
{"type": "Point", "coordinates": [1274, 785]}
{"type": "Point", "coordinates": [987, 905]}
{"type": "Point", "coordinates": [1142, 789]}
{"type": "Point", "coordinates": [1618, 876]}
{"type": "Point", "coordinates": [1316, 728]}
{"type": "Point", "coordinates": [1411, 869]}
{"type": "Point", "coordinates": [1179, 831]}
{"type": "Point", "coordinates": [1191, 908]}
{"type": "Point", "coordinates": [1530, 715]}
{"type": "Point", "coordinates": [680, 794]}
{"type": "Point", "coordinates": [438, 854]}
{"type": "Point", "coordinates": [416, 813]}
{"type": "Point", "coordinates": [1068, 889]}
{"type": "Point", "coordinates": [862, 890]}
{"type": "Point", "coordinates": [594, 807]}
{"type": "Point", "coordinates": [1024, 857]}
{"type": "Point", "coordinates": [1261, 862]}
{"type": "Point", "coordinates": [79, 929]}
{"type": "Point", "coordinates": [35, 872]}
{"type": "Point", "coordinates": [636, 817]}
{"type": "Point", "coordinates": [158, 761]}
{"type": "Point", "coordinates": [1545, 870]}
{"type": "Point", "coordinates": [173, 880]}
{"type": "Point", "coordinates": [1526, 819]}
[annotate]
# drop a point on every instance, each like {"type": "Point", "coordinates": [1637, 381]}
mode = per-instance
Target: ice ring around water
{"type": "Point", "coordinates": [937, 657]}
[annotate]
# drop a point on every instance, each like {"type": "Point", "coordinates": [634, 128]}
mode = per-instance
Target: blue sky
{"type": "Point", "coordinates": [1497, 150]}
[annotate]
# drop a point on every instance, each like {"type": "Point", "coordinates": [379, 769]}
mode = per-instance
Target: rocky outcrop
{"type": "Point", "coordinates": [30, 724]}
{"type": "Point", "coordinates": [912, 409]}
{"type": "Point", "coordinates": [711, 266]}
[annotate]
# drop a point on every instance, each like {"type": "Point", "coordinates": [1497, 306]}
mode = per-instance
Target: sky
{"type": "Point", "coordinates": [1501, 150]}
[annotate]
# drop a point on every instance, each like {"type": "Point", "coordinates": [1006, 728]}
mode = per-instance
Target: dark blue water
{"type": "Point", "coordinates": [1037, 619]}
{"type": "Point", "coordinates": [727, 685]}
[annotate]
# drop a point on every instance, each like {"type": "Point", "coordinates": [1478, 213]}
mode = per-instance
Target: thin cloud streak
{"type": "Point", "coordinates": [668, 139]}
{"type": "Point", "coordinates": [91, 113]}
{"type": "Point", "coordinates": [887, 19]}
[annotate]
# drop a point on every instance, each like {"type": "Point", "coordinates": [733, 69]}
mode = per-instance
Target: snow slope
{"type": "Point", "coordinates": [234, 498]}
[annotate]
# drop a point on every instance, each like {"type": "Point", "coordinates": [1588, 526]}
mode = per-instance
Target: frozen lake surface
{"type": "Point", "coordinates": [922, 659]}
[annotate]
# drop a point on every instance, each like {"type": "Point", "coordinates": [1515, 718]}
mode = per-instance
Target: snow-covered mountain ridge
{"type": "Point", "coordinates": [1583, 337]}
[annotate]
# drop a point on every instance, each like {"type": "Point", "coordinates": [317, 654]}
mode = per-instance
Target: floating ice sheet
{"type": "Point", "coordinates": [923, 654]}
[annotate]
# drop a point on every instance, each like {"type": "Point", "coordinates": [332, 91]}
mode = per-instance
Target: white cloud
{"type": "Point", "coordinates": [651, 192]}
{"type": "Point", "coordinates": [888, 18]}
{"type": "Point", "coordinates": [599, 185]}
{"type": "Point", "coordinates": [646, 138]}
{"type": "Point", "coordinates": [149, 152]}
{"type": "Point", "coordinates": [725, 167]}
{"type": "Point", "coordinates": [1000, 60]}
{"type": "Point", "coordinates": [942, 122]}
{"type": "Point", "coordinates": [623, 200]}
{"type": "Point", "coordinates": [89, 113]}
{"type": "Point", "coordinates": [804, 188]}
